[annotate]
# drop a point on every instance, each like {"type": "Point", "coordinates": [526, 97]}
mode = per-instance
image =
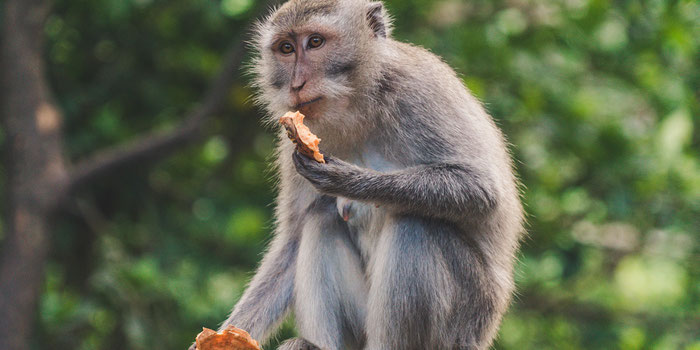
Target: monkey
{"type": "Point", "coordinates": [406, 237]}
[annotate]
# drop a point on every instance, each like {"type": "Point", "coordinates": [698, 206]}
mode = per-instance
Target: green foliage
{"type": "Point", "coordinates": [599, 98]}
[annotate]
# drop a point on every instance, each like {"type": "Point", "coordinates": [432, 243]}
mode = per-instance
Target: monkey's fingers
{"type": "Point", "coordinates": [302, 162]}
{"type": "Point", "coordinates": [312, 171]}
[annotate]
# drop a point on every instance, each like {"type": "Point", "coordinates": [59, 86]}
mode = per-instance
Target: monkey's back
{"type": "Point", "coordinates": [436, 119]}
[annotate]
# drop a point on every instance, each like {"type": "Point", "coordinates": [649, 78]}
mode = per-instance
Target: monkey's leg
{"type": "Point", "coordinates": [428, 289]}
{"type": "Point", "coordinates": [330, 288]}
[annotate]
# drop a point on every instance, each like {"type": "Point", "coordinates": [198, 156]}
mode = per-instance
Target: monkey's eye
{"type": "Point", "coordinates": [286, 48]}
{"type": "Point", "coordinates": [315, 41]}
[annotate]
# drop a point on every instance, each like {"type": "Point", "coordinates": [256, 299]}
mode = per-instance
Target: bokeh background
{"type": "Point", "coordinates": [599, 98]}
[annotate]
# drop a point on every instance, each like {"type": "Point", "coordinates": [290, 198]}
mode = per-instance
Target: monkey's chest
{"type": "Point", "coordinates": [365, 220]}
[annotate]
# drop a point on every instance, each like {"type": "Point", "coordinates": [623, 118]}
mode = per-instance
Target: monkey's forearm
{"type": "Point", "coordinates": [447, 190]}
{"type": "Point", "coordinates": [268, 297]}
{"type": "Point", "coordinates": [441, 190]}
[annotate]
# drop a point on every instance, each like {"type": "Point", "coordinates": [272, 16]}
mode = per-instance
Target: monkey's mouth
{"type": "Point", "coordinates": [304, 104]}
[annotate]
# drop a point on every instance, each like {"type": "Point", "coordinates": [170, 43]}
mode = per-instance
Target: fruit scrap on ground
{"type": "Point", "coordinates": [306, 141]}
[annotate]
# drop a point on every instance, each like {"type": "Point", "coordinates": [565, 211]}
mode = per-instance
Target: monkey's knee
{"type": "Point", "coordinates": [298, 344]}
{"type": "Point", "coordinates": [192, 347]}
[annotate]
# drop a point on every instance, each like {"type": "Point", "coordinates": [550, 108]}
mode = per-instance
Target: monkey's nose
{"type": "Point", "coordinates": [296, 86]}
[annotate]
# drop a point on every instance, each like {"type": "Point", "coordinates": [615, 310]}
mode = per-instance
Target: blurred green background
{"type": "Point", "coordinates": [599, 98]}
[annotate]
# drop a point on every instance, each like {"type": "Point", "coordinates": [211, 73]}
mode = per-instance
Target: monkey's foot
{"type": "Point", "coordinates": [298, 344]}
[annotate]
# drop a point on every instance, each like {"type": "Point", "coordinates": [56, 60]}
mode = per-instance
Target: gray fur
{"type": "Point", "coordinates": [330, 277]}
{"type": "Point", "coordinates": [420, 172]}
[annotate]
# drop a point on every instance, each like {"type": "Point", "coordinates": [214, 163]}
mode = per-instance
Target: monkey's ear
{"type": "Point", "coordinates": [377, 20]}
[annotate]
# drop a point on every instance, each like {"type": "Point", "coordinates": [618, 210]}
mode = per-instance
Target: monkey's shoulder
{"type": "Point", "coordinates": [416, 80]}
{"type": "Point", "coordinates": [420, 63]}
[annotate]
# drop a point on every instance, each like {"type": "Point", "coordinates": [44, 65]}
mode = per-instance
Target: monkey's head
{"type": "Point", "coordinates": [318, 55]}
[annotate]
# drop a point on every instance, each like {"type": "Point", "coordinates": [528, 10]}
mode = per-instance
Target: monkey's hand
{"type": "Point", "coordinates": [330, 178]}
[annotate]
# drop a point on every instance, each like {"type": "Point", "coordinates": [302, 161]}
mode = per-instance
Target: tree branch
{"type": "Point", "coordinates": [155, 146]}
{"type": "Point", "coordinates": [158, 145]}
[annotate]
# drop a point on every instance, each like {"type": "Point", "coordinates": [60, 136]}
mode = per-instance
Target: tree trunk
{"type": "Point", "coordinates": [39, 178]}
{"type": "Point", "coordinates": [35, 168]}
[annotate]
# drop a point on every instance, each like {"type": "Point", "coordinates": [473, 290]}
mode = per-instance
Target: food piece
{"type": "Point", "coordinates": [231, 338]}
{"type": "Point", "coordinates": [307, 142]}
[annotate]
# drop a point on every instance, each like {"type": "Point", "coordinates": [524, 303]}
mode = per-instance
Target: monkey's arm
{"type": "Point", "coordinates": [268, 297]}
{"type": "Point", "coordinates": [445, 190]}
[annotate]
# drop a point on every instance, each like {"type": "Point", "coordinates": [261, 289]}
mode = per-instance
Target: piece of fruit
{"type": "Point", "coordinates": [306, 141]}
{"type": "Point", "coordinates": [231, 338]}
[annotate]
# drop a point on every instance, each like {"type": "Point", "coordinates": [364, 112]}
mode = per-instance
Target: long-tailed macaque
{"type": "Point", "coordinates": [406, 237]}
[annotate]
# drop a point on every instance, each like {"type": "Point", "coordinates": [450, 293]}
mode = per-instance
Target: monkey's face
{"type": "Point", "coordinates": [309, 68]}
{"type": "Point", "coordinates": [313, 55]}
